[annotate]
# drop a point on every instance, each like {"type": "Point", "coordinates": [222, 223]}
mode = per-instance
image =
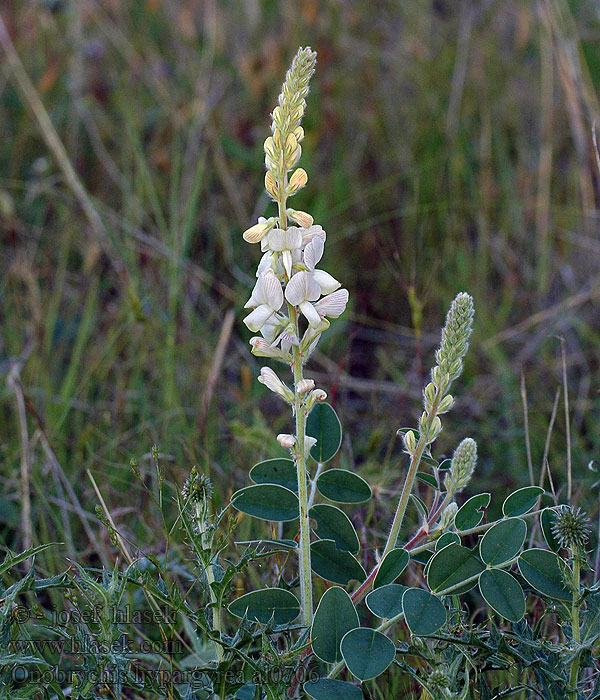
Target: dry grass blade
{"type": "Point", "coordinates": [216, 366]}
{"type": "Point", "coordinates": [14, 383]}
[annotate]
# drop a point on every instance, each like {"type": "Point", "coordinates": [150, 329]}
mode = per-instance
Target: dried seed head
{"type": "Point", "coordinates": [571, 527]}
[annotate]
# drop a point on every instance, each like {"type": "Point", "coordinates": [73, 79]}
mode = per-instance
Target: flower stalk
{"type": "Point", "coordinates": [292, 299]}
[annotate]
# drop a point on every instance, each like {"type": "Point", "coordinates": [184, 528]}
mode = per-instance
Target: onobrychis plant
{"type": "Point", "coordinates": [434, 639]}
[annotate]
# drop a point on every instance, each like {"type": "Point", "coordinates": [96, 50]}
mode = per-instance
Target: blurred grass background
{"type": "Point", "coordinates": [449, 147]}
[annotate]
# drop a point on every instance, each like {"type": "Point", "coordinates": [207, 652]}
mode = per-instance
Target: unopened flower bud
{"type": "Point", "coordinates": [272, 382]}
{"type": "Point", "coordinates": [291, 145]}
{"type": "Point", "coordinates": [304, 386]}
{"type": "Point", "coordinates": [429, 393]}
{"type": "Point", "coordinates": [269, 148]}
{"type": "Point", "coordinates": [447, 517]}
{"type": "Point", "coordinates": [446, 404]}
{"type": "Point", "coordinates": [300, 217]}
{"type": "Point", "coordinates": [434, 430]}
{"type": "Point", "coordinates": [271, 185]}
{"type": "Point", "coordinates": [410, 442]}
{"type": "Point", "coordinates": [286, 441]}
{"type": "Point", "coordinates": [297, 181]}
{"type": "Point", "coordinates": [257, 232]}
{"type": "Point", "coordinates": [314, 397]}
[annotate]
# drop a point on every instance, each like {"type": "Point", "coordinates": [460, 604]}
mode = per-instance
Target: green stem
{"type": "Point", "coordinates": [575, 622]}
{"type": "Point", "coordinates": [410, 478]}
{"type": "Point", "coordinates": [299, 455]}
{"type": "Point", "coordinates": [210, 579]}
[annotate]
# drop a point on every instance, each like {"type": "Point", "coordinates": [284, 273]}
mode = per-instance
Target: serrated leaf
{"type": "Point", "coordinates": [386, 601]}
{"type": "Point", "coordinates": [503, 541]}
{"type": "Point", "coordinates": [324, 425]}
{"type": "Point", "coordinates": [334, 524]}
{"type": "Point", "coordinates": [452, 566]}
{"type": "Point", "coordinates": [469, 515]}
{"type": "Point", "coordinates": [502, 592]}
{"type": "Point", "coordinates": [343, 486]}
{"type": "Point", "coordinates": [541, 570]}
{"type": "Point", "coordinates": [267, 502]}
{"type": "Point", "coordinates": [335, 565]}
{"type": "Point", "coordinates": [268, 606]}
{"type": "Point", "coordinates": [367, 652]}
{"type": "Point", "coordinates": [335, 616]}
{"type": "Point", "coordinates": [423, 612]}
{"type": "Point", "coordinates": [11, 559]}
{"type": "Point", "coordinates": [278, 471]}
{"type": "Point", "coordinates": [521, 501]}
{"type": "Point", "coordinates": [393, 564]}
{"type": "Point", "coordinates": [331, 689]}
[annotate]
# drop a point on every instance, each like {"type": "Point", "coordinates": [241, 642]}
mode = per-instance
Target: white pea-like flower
{"type": "Point", "coordinates": [333, 305]}
{"type": "Point", "coordinates": [286, 441]}
{"type": "Point", "coordinates": [304, 386]}
{"type": "Point", "coordinates": [285, 241]}
{"type": "Point", "coordinates": [312, 255]}
{"type": "Point", "coordinates": [266, 300]}
{"type": "Point", "coordinates": [301, 291]}
{"type": "Point", "coordinates": [309, 233]}
{"type": "Point", "coordinates": [262, 348]}
{"type": "Point", "coordinates": [270, 379]}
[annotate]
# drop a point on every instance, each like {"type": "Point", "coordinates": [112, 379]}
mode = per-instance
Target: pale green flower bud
{"type": "Point", "coordinates": [463, 466]}
{"type": "Point", "coordinates": [410, 442]}
{"type": "Point", "coordinates": [434, 430]}
{"type": "Point", "coordinates": [446, 404]}
{"type": "Point", "coordinates": [447, 517]}
{"type": "Point", "coordinates": [429, 393]}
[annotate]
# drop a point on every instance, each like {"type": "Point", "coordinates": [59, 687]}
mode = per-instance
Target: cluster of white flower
{"type": "Point", "coordinates": [288, 277]}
